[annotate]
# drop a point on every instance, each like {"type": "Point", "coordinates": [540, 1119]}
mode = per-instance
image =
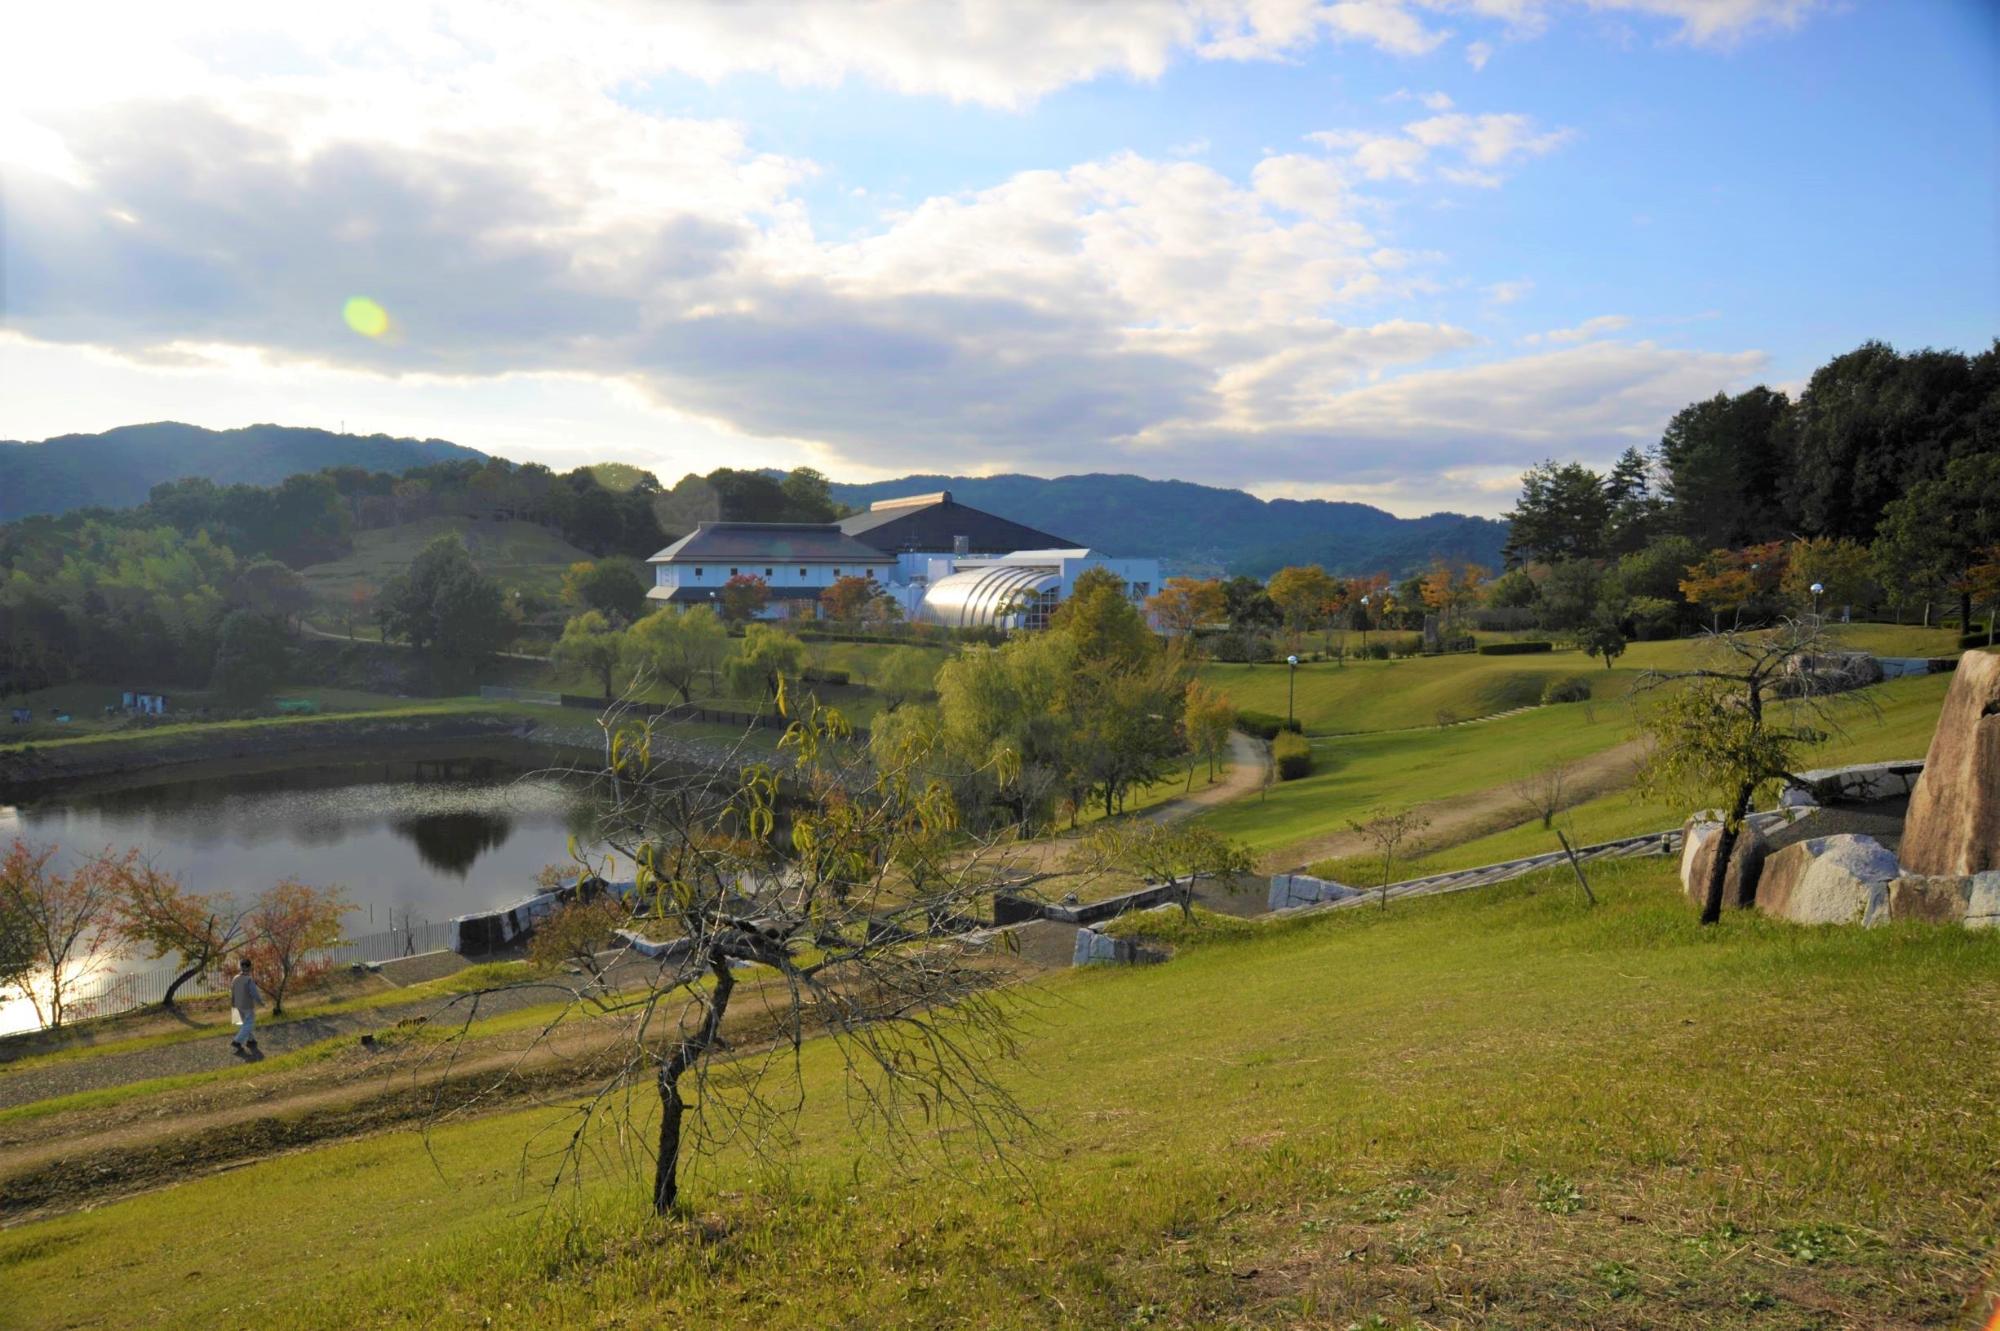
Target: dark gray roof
{"type": "Point", "coordinates": [931, 522]}
{"type": "Point", "coordinates": [769, 543]}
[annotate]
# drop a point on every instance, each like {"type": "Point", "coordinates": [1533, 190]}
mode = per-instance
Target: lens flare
{"type": "Point", "coordinates": [365, 317]}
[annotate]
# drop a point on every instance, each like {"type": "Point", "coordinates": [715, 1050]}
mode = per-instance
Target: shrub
{"type": "Point", "coordinates": [1514, 648]}
{"type": "Point", "coordinates": [1377, 651]}
{"type": "Point", "coordinates": [814, 676]}
{"type": "Point", "coordinates": [1266, 726]}
{"type": "Point", "coordinates": [1572, 688]}
{"type": "Point", "coordinates": [1969, 641]}
{"type": "Point", "coordinates": [1410, 646]}
{"type": "Point", "coordinates": [1241, 647]}
{"type": "Point", "coordinates": [1293, 756]}
{"type": "Point", "coordinates": [1458, 642]}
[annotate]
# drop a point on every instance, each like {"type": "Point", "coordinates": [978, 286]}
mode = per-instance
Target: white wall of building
{"type": "Point", "coordinates": [711, 577]}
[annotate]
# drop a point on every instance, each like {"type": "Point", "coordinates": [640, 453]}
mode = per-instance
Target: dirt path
{"type": "Point", "coordinates": [1462, 818]}
{"type": "Point", "coordinates": [1245, 774]}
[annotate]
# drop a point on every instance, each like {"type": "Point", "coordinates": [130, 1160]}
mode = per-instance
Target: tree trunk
{"type": "Point", "coordinates": [673, 1106]}
{"type": "Point", "coordinates": [167, 999]}
{"type": "Point", "coordinates": [1965, 612]}
{"type": "Point", "coordinates": [1725, 847]}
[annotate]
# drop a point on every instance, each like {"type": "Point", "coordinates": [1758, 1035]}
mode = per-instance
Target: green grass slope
{"type": "Point", "coordinates": [1496, 1109]}
{"type": "Point", "coordinates": [523, 556]}
{"type": "Point", "coordinates": [1388, 695]}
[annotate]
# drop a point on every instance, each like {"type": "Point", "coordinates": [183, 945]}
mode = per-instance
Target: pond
{"type": "Point", "coordinates": [409, 839]}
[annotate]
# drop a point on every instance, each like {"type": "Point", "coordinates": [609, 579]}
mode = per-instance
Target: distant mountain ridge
{"type": "Point", "coordinates": [117, 468]}
{"type": "Point", "coordinates": [1194, 526]}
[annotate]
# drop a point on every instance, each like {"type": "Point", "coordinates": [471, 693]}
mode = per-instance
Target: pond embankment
{"type": "Point", "coordinates": [146, 757]}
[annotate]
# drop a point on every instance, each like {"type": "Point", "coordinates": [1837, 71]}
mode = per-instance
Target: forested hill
{"type": "Point", "coordinates": [116, 469]}
{"type": "Point", "coordinates": [1193, 525]}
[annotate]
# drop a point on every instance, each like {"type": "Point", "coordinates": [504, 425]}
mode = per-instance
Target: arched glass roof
{"type": "Point", "coordinates": [988, 596]}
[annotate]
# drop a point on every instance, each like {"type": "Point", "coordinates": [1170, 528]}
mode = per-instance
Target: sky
{"type": "Point", "coordinates": [1391, 251]}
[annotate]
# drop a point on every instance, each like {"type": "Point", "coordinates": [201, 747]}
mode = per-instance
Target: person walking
{"type": "Point", "coordinates": [243, 996]}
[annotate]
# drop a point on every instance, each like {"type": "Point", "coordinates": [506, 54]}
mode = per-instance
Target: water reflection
{"type": "Point", "coordinates": [452, 842]}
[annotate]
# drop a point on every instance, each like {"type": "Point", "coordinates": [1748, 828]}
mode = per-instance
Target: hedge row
{"type": "Point", "coordinates": [814, 676]}
{"type": "Point", "coordinates": [1971, 640]}
{"type": "Point", "coordinates": [1266, 726]}
{"type": "Point", "coordinates": [1293, 755]}
{"type": "Point", "coordinates": [1514, 648]}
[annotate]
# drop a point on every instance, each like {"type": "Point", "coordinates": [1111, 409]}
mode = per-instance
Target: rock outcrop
{"type": "Point", "coordinates": [1746, 859]}
{"type": "Point", "coordinates": [1954, 821]}
{"type": "Point", "coordinates": [1972, 900]}
{"type": "Point", "coordinates": [1829, 880]}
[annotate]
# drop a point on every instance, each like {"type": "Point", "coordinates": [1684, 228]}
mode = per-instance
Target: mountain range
{"type": "Point", "coordinates": [1193, 528]}
{"type": "Point", "coordinates": [1205, 528]}
{"type": "Point", "coordinates": [117, 468]}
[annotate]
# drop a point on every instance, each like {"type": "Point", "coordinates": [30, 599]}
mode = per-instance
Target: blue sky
{"type": "Point", "coordinates": [1389, 250]}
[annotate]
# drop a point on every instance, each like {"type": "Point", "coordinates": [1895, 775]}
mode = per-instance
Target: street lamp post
{"type": "Point", "coordinates": [1817, 588]}
{"type": "Point", "coordinates": [1364, 625]}
{"type": "Point", "coordinates": [1291, 686]}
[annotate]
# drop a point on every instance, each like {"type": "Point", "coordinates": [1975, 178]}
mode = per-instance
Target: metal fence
{"type": "Point", "coordinates": [136, 989]}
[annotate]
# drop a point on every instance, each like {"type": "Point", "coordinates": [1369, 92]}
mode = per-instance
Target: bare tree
{"type": "Point", "coordinates": [1388, 831]}
{"type": "Point", "coordinates": [848, 930]}
{"type": "Point", "coordinates": [1541, 791]}
{"type": "Point", "coordinates": [1736, 726]}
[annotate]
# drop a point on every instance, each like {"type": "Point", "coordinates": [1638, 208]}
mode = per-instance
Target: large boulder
{"type": "Point", "coordinates": [1829, 880]}
{"type": "Point", "coordinates": [1739, 886]}
{"type": "Point", "coordinates": [1954, 821]}
{"type": "Point", "coordinates": [1972, 900]}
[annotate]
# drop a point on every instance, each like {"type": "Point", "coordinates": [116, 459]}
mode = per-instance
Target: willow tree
{"type": "Point", "coordinates": [814, 900]}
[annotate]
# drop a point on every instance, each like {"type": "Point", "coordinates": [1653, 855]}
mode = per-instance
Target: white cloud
{"type": "Point", "coordinates": [1476, 144]}
{"type": "Point", "coordinates": [1506, 293]}
{"type": "Point", "coordinates": [202, 199]}
{"type": "Point", "coordinates": [1588, 330]}
{"type": "Point", "coordinates": [1478, 53]}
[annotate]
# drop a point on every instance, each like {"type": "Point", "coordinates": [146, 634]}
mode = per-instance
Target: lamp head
{"type": "Point", "coordinates": [1291, 660]}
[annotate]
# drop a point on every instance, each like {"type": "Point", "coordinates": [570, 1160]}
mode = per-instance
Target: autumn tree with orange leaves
{"type": "Point", "coordinates": [291, 927]}
{"type": "Point", "coordinates": [156, 912]}
{"type": "Point", "coordinates": [62, 927]}
{"type": "Point", "coordinates": [1183, 605]}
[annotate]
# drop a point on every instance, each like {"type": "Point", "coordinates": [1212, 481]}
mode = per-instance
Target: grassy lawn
{"type": "Point", "coordinates": [1358, 772]}
{"type": "Point", "coordinates": [522, 556]}
{"type": "Point", "coordinates": [1908, 713]}
{"type": "Point", "coordinates": [1499, 1109]}
{"type": "Point", "coordinates": [1420, 691]}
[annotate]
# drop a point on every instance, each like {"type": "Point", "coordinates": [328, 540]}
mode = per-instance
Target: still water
{"type": "Point", "coordinates": [432, 837]}
{"type": "Point", "coordinates": [409, 840]}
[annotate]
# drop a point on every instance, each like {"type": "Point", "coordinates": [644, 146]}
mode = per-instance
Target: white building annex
{"type": "Point", "coordinates": [943, 562]}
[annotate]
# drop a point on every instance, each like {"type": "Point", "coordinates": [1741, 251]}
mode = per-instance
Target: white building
{"type": "Point", "coordinates": [795, 560]}
{"type": "Point", "coordinates": [943, 562]}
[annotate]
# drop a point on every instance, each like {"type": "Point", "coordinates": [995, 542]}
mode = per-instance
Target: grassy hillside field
{"type": "Point", "coordinates": [1495, 1109]}
{"type": "Point", "coordinates": [520, 556]}
{"type": "Point", "coordinates": [1421, 691]}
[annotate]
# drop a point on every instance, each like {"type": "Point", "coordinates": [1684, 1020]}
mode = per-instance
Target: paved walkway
{"type": "Point", "coordinates": [101, 1071]}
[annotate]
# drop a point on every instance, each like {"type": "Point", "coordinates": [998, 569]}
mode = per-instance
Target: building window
{"type": "Point", "coordinates": [697, 572]}
{"type": "Point", "coordinates": [802, 573]}
{"type": "Point", "coordinates": [836, 573]}
{"type": "Point", "coordinates": [768, 573]}
{"type": "Point", "coordinates": [732, 572]}
{"type": "Point", "coordinates": [871, 575]}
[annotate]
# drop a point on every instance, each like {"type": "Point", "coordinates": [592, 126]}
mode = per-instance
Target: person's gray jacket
{"type": "Point", "coordinates": [243, 995]}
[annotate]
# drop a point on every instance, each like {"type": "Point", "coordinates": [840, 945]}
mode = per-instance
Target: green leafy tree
{"type": "Point", "coordinates": [1303, 594]}
{"type": "Point", "coordinates": [1102, 621]}
{"type": "Point", "coordinates": [591, 645]}
{"type": "Point", "coordinates": [1932, 535]}
{"type": "Point", "coordinates": [678, 647]}
{"type": "Point", "coordinates": [1724, 461]}
{"type": "Point", "coordinates": [1247, 606]}
{"type": "Point", "coordinates": [445, 608]}
{"type": "Point", "coordinates": [614, 587]}
{"type": "Point", "coordinates": [1635, 510]}
{"type": "Point", "coordinates": [1207, 716]}
{"type": "Point", "coordinates": [1720, 736]}
{"type": "Point", "coordinates": [251, 658]}
{"type": "Point", "coordinates": [1603, 638]}
{"type": "Point", "coordinates": [1842, 568]}
{"type": "Point", "coordinates": [904, 675]}
{"type": "Point", "coordinates": [765, 657]}
{"type": "Point", "coordinates": [1561, 515]}
{"type": "Point", "coordinates": [1570, 595]}
{"type": "Point", "coordinates": [1177, 854]}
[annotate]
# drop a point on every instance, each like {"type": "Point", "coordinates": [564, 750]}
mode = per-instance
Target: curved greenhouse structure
{"type": "Point", "coordinates": [994, 596]}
